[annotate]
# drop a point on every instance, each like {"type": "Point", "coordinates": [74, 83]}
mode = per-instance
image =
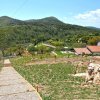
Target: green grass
{"type": "Point", "coordinates": [1, 64]}
{"type": "Point", "coordinates": [55, 80]}
{"type": "Point", "coordinates": [69, 55]}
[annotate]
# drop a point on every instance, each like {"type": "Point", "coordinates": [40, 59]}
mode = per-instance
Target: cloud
{"type": "Point", "coordinates": [93, 16]}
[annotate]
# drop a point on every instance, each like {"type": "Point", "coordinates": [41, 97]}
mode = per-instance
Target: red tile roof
{"type": "Point", "coordinates": [82, 50]}
{"type": "Point", "coordinates": [94, 49]}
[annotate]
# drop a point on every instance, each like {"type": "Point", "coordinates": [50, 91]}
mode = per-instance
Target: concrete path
{"type": "Point", "coordinates": [14, 87]}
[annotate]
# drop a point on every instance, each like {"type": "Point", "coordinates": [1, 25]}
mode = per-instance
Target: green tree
{"type": "Point", "coordinates": [19, 50]}
{"type": "Point", "coordinates": [32, 49]}
{"type": "Point", "coordinates": [94, 40]}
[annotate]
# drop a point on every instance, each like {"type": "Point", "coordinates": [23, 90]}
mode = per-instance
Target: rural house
{"type": "Point", "coordinates": [80, 51]}
{"type": "Point", "coordinates": [95, 50]}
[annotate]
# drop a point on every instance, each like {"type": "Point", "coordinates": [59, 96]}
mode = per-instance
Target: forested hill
{"type": "Point", "coordinates": [49, 20]}
{"type": "Point", "coordinates": [6, 21]}
{"type": "Point", "coordinates": [50, 29]}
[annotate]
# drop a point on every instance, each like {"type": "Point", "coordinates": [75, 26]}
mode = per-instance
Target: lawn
{"type": "Point", "coordinates": [55, 82]}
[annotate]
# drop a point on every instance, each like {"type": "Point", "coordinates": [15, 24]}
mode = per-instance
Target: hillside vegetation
{"type": "Point", "coordinates": [50, 30]}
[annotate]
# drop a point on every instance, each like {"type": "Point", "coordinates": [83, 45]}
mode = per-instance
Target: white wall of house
{"type": "Point", "coordinates": [98, 44]}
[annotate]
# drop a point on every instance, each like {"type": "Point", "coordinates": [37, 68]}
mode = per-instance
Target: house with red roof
{"type": "Point", "coordinates": [94, 49]}
{"type": "Point", "coordinates": [80, 51]}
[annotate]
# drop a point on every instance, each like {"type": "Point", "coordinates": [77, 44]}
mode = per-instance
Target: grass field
{"type": "Point", "coordinates": [55, 82]}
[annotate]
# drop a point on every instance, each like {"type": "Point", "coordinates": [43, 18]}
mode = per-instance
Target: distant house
{"type": "Point", "coordinates": [94, 49]}
{"type": "Point", "coordinates": [80, 51]}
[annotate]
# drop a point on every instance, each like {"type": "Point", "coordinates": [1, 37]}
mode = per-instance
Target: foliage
{"type": "Point", "coordinates": [15, 50]}
{"type": "Point", "coordinates": [15, 32]}
{"type": "Point", "coordinates": [43, 48]}
{"type": "Point", "coordinates": [32, 49]}
{"type": "Point", "coordinates": [94, 40]}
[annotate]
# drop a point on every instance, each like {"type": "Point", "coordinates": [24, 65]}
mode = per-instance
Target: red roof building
{"type": "Point", "coordinates": [94, 49]}
{"type": "Point", "coordinates": [82, 50]}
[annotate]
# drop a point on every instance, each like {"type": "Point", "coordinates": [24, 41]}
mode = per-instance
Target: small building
{"type": "Point", "coordinates": [80, 51]}
{"type": "Point", "coordinates": [94, 49]}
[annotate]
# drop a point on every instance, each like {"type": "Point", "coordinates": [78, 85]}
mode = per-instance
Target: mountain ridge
{"type": "Point", "coordinates": [6, 21]}
{"type": "Point", "coordinates": [13, 32]}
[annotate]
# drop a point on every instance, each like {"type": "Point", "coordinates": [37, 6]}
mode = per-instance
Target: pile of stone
{"type": "Point", "coordinates": [93, 73]}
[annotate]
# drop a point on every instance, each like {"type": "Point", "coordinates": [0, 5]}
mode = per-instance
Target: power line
{"type": "Point", "coordinates": [20, 7]}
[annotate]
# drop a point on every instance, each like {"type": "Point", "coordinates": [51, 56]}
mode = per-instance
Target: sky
{"type": "Point", "coordinates": [79, 12]}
